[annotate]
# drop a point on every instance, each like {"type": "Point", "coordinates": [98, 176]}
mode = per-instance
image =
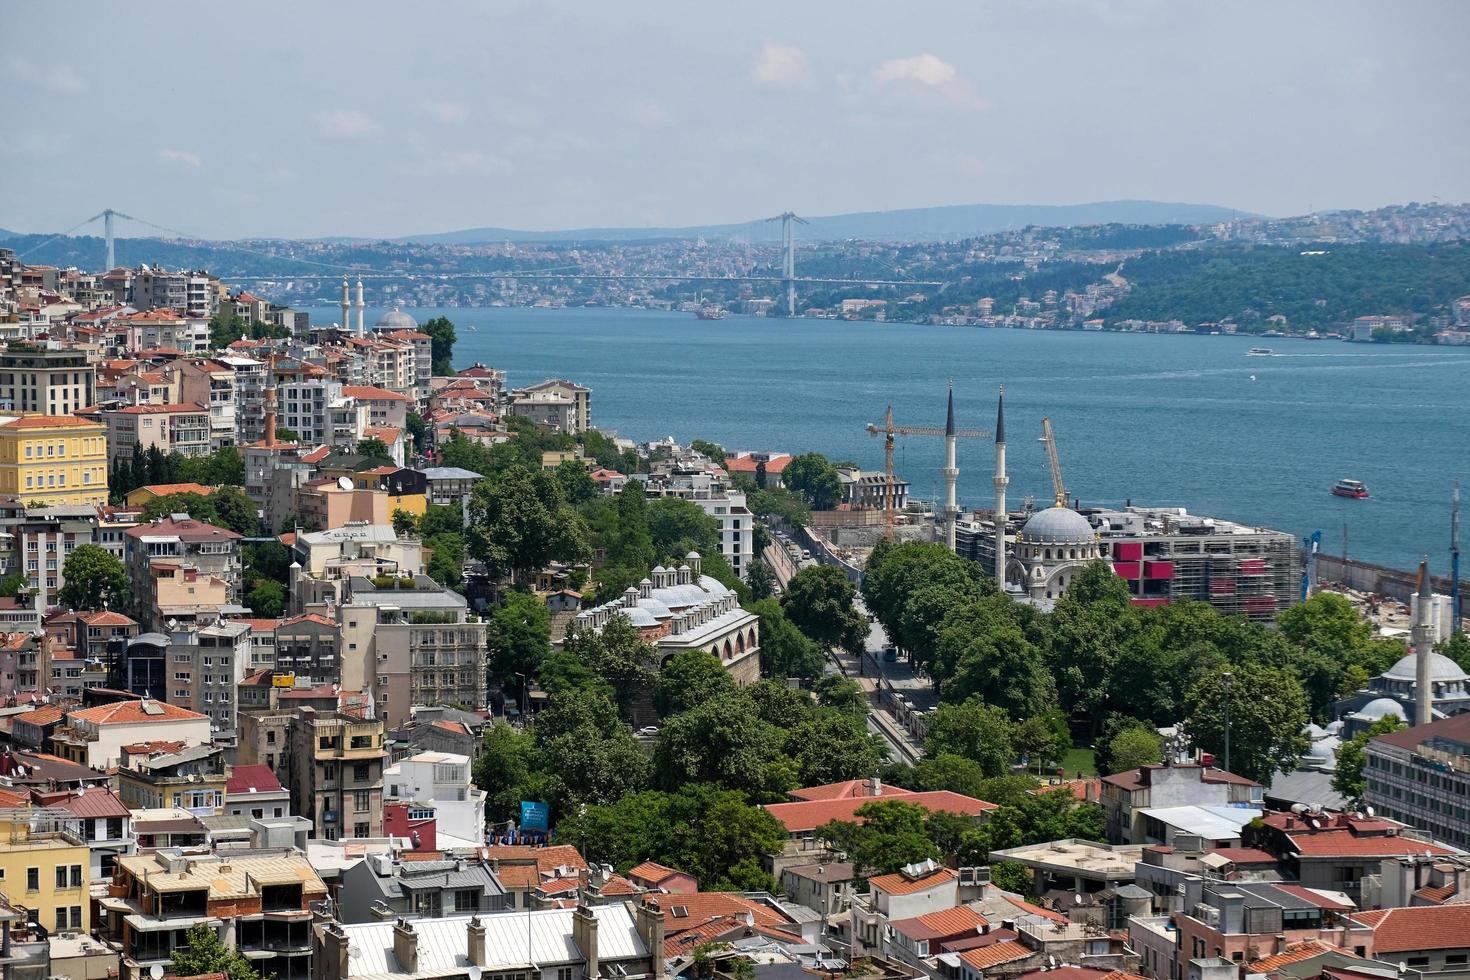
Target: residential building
{"type": "Point", "coordinates": [523, 869]}
{"type": "Point", "coordinates": [825, 888]}
{"type": "Point", "coordinates": [552, 392]}
{"type": "Point", "coordinates": [1336, 850]}
{"type": "Point", "coordinates": [411, 642]}
{"type": "Point", "coordinates": [451, 485]}
{"type": "Point", "coordinates": [1126, 794]}
{"type": "Point", "coordinates": [1421, 776]}
{"type": "Point", "coordinates": [915, 890]}
{"type": "Point", "coordinates": [654, 877]}
{"type": "Point", "coordinates": [53, 459]}
{"type": "Point", "coordinates": [441, 783]}
{"type": "Point", "coordinates": [182, 427]}
{"type": "Point", "coordinates": [262, 905]}
{"type": "Point", "coordinates": [194, 293]}
{"type": "Point", "coordinates": [385, 408]}
{"type": "Point", "coordinates": [211, 383]}
{"type": "Point", "coordinates": [205, 664]}
{"type": "Point", "coordinates": [1427, 941]}
{"type": "Point", "coordinates": [1073, 867]}
{"type": "Point", "coordinates": [96, 737]}
{"type": "Point", "coordinates": [420, 889]}
{"type": "Point", "coordinates": [616, 940]}
{"type": "Point", "coordinates": [191, 778]}
{"type": "Point", "coordinates": [46, 868]}
{"type": "Point", "coordinates": [336, 773]}
{"type": "Point", "coordinates": [308, 648]}
{"type": "Point", "coordinates": [46, 381]}
{"type": "Point", "coordinates": [555, 412]}
{"type": "Point", "coordinates": [1243, 921]}
{"type": "Point", "coordinates": [254, 791]}
{"type": "Point", "coordinates": [160, 556]}
{"type": "Point", "coordinates": [99, 819]}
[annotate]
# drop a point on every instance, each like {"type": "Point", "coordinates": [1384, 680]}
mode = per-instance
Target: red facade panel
{"type": "Point", "coordinates": [1128, 551]}
{"type": "Point", "coordinates": [1127, 569]}
{"type": "Point", "coordinates": [1158, 569]}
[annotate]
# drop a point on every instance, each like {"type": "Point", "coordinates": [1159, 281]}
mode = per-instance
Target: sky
{"type": "Point", "coordinates": [381, 119]}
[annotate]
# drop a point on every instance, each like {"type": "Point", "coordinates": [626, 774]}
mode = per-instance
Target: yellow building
{"type": "Point", "coordinates": [47, 873]}
{"type": "Point", "coordinates": [53, 459]}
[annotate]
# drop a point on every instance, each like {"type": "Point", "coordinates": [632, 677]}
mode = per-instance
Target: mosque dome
{"type": "Point", "coordinates": [1057, 525]}
{"type": "Point", "coordinates": [1441, 668]}
{"type": "Point", "coordinates": [1380, 708]}
{"type": "Point", "coordinates": [396, 319]}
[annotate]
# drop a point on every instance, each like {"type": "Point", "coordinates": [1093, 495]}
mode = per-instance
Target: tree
{"type": "Point", "coordinates": [1268, 712]}
{"type": "Point", "coordinates": [441, 519]}
{"type": "Point", "coordinates": [1127, 743]}
{"type": "Point", "coordinates": [841, 694]}
{"type": "Point", "coordinates": [576, 481]}
{"type": "Point", "coordinates": [1349, 779]}
{"type": "Point", "coordinates": [691, 677]}
{"type": "Point", "coordinates": [442, 338]}
{"type": "Point", "coordinates": [1000, 665]}
{"type": "Point", "coordinates": [94, 579]}
{"type": "Point", "coordinates": [519, 521]}
{"type": "Point", "coordinates": [678, 526]}
{"type": "Point", "coordinates": [761, 477]}
{"type": "Point", "coordinates": [267, 600]}
{"type": "Point", "coordinates": [618, 654]}
{"type": "Point", "coordinates": [1457, 647]}
{"type": "Point", "coordinates": [225, 329]}
{"type": "Point", "coordinates": [519, 637]}
{"type": "Point", "coordinates": [973, 730]}
{"type": "Point", "coordinates": [785, 650]}
{"type": "Point", "coordinates": [815, 479]}
{"type": "Point", "coordinates": [374, 448]}
{"type": "Point", "coordinates": [203, 953]}
{"type": "Point", "coordinates": [1012, 876]}
{"type": "Point", "coordinates": [446, 559]}
{"type": "Point", "coordinates": [1084, 632]}
{"type": "Point", "coordinates": [760, 579]}
{"type": "Point", "coordinates": [725, 742]}
{"type": "Point", "coordinates": [953, 773]}
{"type": "Point", "coordinates": [404, 523]}
{"type": "Point", "coordinates": [416, 431]}
{"type": "Point", "coordinates": [284, 434]}
{"type": "Point", "coordinates": [834, 746]}
{"type": "Point", "coordinates": [819, 602]}
{"type": "Point", "coordinates": [714, 451]}
{"type": "Point", "coordinates": [891, 835]}
{"type": "Point", "coordinates": [585, 754]}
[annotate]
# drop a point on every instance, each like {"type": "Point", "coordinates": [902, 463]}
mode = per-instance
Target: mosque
{"type": "Point", "coordinates": [1396, 691]}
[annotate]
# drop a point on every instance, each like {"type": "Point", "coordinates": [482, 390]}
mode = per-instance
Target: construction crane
{"type": "Point", "coordinates": [889, 432]}
{"type": "Point", "coordinates": [1049, 437]}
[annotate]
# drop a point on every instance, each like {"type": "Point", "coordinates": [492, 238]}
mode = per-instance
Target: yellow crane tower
{"type": "Point", "coordinates": [948, 431]}
{"type": "Point", "coordinates": [1049, 437]}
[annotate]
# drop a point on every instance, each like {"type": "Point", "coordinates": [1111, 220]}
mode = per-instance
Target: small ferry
{"type": "Point", "coordinates": [710, 313]}
{"type": "Point", "coordinates": [1350, 488]}
{"type": "Point", "coordinates": [1259, 352]}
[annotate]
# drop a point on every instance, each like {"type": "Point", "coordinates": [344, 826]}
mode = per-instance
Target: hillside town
{"type": "Point", "coordinates": [326, 657]}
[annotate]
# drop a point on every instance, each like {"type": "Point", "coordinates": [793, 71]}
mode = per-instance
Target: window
{"type": "Point", "coordinates": [60, 918]}
{"type": "Point", "coordinates": [61, 876]}
{"type": "Point", "coordinates": [360, 772]}
{"type": "Point", "coordinates": [33, 879]}
{"type": "Point", "coordinates": [360, 830]}
{"type": "Point", "coordinates": [76, 916]}
{"type": "Point", "coordinates": [362, 799]}
{"type": "Point", "coordinates": [76, 876]}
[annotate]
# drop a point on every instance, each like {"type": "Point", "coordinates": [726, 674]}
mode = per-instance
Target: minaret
{"type": "Point", "coordinates": [951, 474]}
{"type": "Point", "coordinates": [1000, 482]}
{"type": "Point", "coordinates": [346, 308]}
{"type": "Point", "coordinates": [361, 330]}
{"type": "Point", "coordinates": [1423, 649]}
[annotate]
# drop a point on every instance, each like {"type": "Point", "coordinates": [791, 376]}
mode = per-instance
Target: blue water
{"type": "Point", "coordinates": [1160, 420]}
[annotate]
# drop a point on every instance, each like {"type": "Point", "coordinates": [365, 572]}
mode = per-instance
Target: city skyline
{"type": "Point", "coordinates": [300, 122]}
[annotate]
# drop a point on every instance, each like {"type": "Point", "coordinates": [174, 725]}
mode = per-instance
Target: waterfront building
{"type": "Point", "coordinates": [554, 391]}
{"type": "Point", "coordinates": [53, 459]}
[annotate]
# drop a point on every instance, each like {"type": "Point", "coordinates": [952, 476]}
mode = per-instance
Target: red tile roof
{"type": "Point", "coordinates": [1295, 953]}
{"type": "Point", "coordinates": [1435, 895]}
{"type": "Point", "coordinates": [372, 394]}
{"type": "Point", "coordinates": [900, 884]}
{"type": "Point", "coordinates": [132, 713]}
{"type": "Point", "coordinates": [92, 803]}
{"type": "Point", "coordinates": [989, 956]}
{"type": "Point", "coordinates": [651, 871]}
{"type": "Point", "coordinates": [180, 408]}
{"type": "Point", "coordinates": [944, 924]}
{"type": "Point", "coordinates": [168, 489]}
{"type": "Point", "coordinates": [848, 789]}
{"type": "Point", "coordinates": [682, 912]}
{"type": "Point", "coordinates": [106, 618]}
{"type": "Point", "coordinates": [1345, 843]}
{"type": "Point", "coordinates": [48, 422]}
{"type": "Point", "coordinates": [187, 529]}
{"type": "Point", "coordinates": [47, 714]}
{"type": "Point", "coordinates": [252, 779]}
{"type": "Point", "coordinates": [1245, 855]}
{"type": "Point", "coordinates": [810, 814]}
{"type": "Point", "coordinates": [1422, 927]}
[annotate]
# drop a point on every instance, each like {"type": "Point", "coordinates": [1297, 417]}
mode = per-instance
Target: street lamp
{"type": "Point", "coordinates": [1226, 680]}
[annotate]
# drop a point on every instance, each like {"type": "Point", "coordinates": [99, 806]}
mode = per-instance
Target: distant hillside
{"type": "Point", "coordinates": [909, 224]}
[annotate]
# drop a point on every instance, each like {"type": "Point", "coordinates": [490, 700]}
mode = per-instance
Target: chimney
{"type": "Point", "coordinates": [584, 935]}
{"type": "Point", "coordinates": [649, 922]}
{"type": "Point", "coordinates": [875, 786]}
{"type": "Point", "coordinates": [332, 960]}
{"type": "Point", "coordinates": [476, 930]}
{"type": "Point", "coordinates": [406, 946]}
{"type": "Point", "coordinates": [694, 564]}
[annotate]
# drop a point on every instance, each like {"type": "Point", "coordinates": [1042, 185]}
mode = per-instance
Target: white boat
{"type": "Point", "coordinates": [1259, 352]}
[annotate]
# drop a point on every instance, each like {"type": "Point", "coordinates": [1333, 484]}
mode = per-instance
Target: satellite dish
{"type": "Point", "coordinates": [344, 483]}
{"type": "Point", "coordinates": [474, 972]}
{"type": "Point", "coordinates": [1077, 899]}
{"type": "Point", "coordinates": [156, 972]}
{"type": "Point", "coordinates": [1368, 810]}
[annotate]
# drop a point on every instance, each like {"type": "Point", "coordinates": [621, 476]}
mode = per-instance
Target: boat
{"type": "Point", "coordinates": [1350, 488]}
{"type": "Point", "coordinates": [710, 313]}
{"type": "Point", "coordinates": [1259, 352]}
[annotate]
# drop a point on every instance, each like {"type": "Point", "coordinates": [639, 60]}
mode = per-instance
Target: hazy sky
{"type": "Point", "coordinates": [389, 118]}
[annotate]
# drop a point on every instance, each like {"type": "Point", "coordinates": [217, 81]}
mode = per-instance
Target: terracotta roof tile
{"type": "Point", "coordinates": [1295, 953]}
{"type": "Point", "coordinates": [132, 713]}
{"type": "Point", "coordinates": [989, 956]}
{"type": "Point", "coordinates": [810, 814]}
{"type": "Point", "coordinates": [899, 884]}
{"type": "Point", "coordinates": [252, 779]}
{"type": "Point", "coordinates": [944, 924]}
{"type": "Point", "coordinates": [1422, 927]}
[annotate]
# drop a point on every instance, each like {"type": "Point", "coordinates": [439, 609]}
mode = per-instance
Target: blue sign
{"type": "Point", "coordinates": [535, 816]}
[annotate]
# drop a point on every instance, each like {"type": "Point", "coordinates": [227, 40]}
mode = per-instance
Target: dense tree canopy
{"type": "Point", "coordinates": [94, 579]}
{"type": "Point", "coordinates": [814, 479]}
{"type": "Point", "coordinates": [819, 602]}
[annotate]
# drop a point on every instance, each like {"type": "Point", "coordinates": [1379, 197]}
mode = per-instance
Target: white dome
{"type": "Point", "coordinates": [1057, 525]}
{"type": "Point", "coordinates": [1380, 708]}
{"type": "Point", "coordinates": [396, 319]}
{"type": "Point", "coordinates": [1441, 668]}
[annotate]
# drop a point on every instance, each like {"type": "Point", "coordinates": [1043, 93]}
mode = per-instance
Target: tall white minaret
{"type": "Point", "coordinates": [951, 474]}
{"type": "Point", "coordinates": [361, 330]}
{"type": "Point", "coordinates": [1000, 481]}
{"type": "Point", "coordinates": [1423, 649]}
{"type": "Point", "coordinates": [346, 307]}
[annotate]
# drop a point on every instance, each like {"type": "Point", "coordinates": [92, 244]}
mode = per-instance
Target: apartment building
{"type": "Point", "coordinates": [441, 782]}
{"type": "Point", "coordinates": [336, 773]}
{"type": "Point", "coordinates": [43, 538]}
{"type": "Point", "coordinates": [53, 459]}
{"type": "Point", "coordinates": [44, 381]}
{"type": "Point", "coordinates": [556, 390]}
{"type": "Point", "coordinates": [1421, 776]}
{"type": "Point", "coordinates": [96, 737]}
{"type": "Point", "coordinates": [205, 664]}
{"type": "Point", "coordinates": [155, 775]}
{"type": "Point", "coordinates": [422, 889]}
{"type": "Point", "coordinates": [163, 329]}
{"type": "Point", "coordinates": [211, 384]}
{"type": "Point", "coordinates": [46, 869]}
{"type": "Point", "coordinates": [1126, 796]}
{"type": "Point", "coordinates": [308, 648]}
{"type": "Point", "coordinates": [412, 642]}
{"type": "Point", "coordinates": [385, 407]}
{"type": "Point", "coordinates": [196, 294]}
{"type": "Point", "coordinates": [160, 555]}
{"type": "Point", "coordinates": [178, 427]}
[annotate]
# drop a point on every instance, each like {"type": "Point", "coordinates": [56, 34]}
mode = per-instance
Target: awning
{"type": "Point", "coordinates": [147, 923]}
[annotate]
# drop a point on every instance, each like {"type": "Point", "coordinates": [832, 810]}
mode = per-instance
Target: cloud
{"type": "Point", "coordinates": [780, 65]}
{"type": "Point", "coordinates": [928, 71]}
{"type": "Point", "coordinates": [470, 162]}
{"type": "Point", "coordinates": [347, 123]}
{"type": "Point", "coordinates": [181, 157]}
{"type": "Point", "coordinates": [447, 112]}
{"type": "Point", "coordinates": [60, 79]}
{"type": "Point", "coordinates": [651, 115]}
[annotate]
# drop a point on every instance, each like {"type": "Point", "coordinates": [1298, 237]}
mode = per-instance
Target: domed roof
{"type": "Point", "coordinates": [1380, 708]}
{"type": "Point", "coordinates": [396, 319]}
{"type": "Point", "coordinates": [1057, 525]}
{"type": "Point", "coordinates": [1441, 668]}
